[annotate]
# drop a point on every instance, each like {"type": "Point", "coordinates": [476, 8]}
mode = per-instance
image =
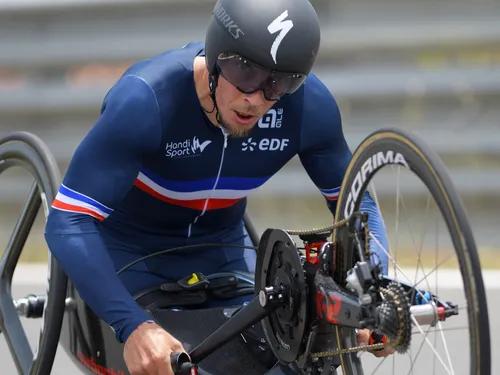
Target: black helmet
{"type": "Point", "coordinates": [279, 35]}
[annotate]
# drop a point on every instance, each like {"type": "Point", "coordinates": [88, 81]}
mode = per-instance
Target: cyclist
{"type": "Point", "coordinates": [182, 139]}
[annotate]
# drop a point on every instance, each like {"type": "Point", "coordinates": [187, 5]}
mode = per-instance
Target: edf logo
{"type": "Point", "coordinates": [272, 119]}
{"type": "Point", "coordinates": [265, 144]}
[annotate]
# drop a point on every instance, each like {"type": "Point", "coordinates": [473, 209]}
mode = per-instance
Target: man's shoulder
{"type": "Point", "coordinates": [320, 106]}
{"type": "Point", "coordinates": [321, 119]}
{"type": "Point", "coordinates": [316, 90]}
{"type": "Point", "coordinates": [168, 69]}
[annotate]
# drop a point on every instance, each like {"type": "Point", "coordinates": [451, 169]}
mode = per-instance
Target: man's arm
{"type": "Point", "coordinates": [100, 174]}
{"type": "Point", "coordinates": [325, 156]}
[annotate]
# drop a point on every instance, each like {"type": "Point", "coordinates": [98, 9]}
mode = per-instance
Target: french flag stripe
{"type": "Point", "coordinates": [72, 194]}
{"type": "Point", "coordinates": [192, 195]}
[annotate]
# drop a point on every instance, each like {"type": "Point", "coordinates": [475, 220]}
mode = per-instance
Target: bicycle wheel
{"type": "Point", "coordinates": [27, 151]}
{"type": "Point", "coordinates": [391, 148]}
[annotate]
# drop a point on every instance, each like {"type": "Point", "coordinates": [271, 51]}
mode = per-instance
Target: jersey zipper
{"type": "Point", "coordinates": [225, 134]}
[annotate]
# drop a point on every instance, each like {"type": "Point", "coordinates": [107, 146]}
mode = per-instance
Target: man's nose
{"type": "Point", "coordinates": [255, 99]}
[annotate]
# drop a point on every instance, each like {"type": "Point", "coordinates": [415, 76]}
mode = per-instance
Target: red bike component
{"type": "Point", "coordinates": [313, 245]}
{"type": "Point", "coordinates": [377, 338]}
{"type": "Point", "coordinates": [328, 307]}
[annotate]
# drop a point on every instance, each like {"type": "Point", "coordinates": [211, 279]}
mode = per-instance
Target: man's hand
{"type": "Point", "coordinates": [364, 339]}
{"type": "Point", "coordinates": [147, 350]}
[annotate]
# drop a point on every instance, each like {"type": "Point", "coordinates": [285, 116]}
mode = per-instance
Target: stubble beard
{"type": "Point", "coordinates": [235, 131]}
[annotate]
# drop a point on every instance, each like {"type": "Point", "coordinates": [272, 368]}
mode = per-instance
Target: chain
{"type": "Point", "coordinates": [400, 335]}
{"type": "Point", "coordinates": [350, 350]}
{"type": "Point", "coordinates": [339, 224]}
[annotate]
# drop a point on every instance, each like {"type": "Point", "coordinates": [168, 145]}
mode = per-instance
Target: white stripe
{"type": "Point", "coordinates": [201, 194]}
{"type": "Point", "coordinates": [330, 191]}
{"type": "Point", "coordinates": [72, 211]}
{"type": "Point", "coordinates": [86, 196]}
{"type": "Point", "coordinates": [65, 199]}
{"type": "Point", "coordinates": [36, 274]}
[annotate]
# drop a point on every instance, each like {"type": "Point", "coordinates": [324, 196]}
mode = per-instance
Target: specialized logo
{"type": "Point", "coordinates": [272, 119]}
{"type": "Point", "coordinates": [265, 144]}
{"type": "Point", "coordinates": [369, 167]}
{"type": "Point", "coordinates": [187, 148]}
{"type": "Point", "coordinates": [227, 21]}
{"type": "Point", "coordinates": [283, 26]}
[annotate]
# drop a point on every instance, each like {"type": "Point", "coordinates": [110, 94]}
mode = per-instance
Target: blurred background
{"type": "Point", "coordinates": [429, 66]}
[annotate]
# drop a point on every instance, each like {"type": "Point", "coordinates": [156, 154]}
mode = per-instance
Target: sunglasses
{"type": "Point", "coordinates": [248, 77]}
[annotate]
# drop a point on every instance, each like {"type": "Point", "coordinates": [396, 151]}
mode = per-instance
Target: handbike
{"type": "Point", "coordinates": [305, 306]}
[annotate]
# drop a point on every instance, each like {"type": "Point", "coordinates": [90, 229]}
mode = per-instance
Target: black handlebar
{"type": "Point", "coordinates": [181, 364]}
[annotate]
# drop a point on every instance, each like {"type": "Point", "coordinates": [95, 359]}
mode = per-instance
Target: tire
{"type": "Point", "coordinates": [391, 146]}
{"type": "Point", "coordinates": [25, 150]}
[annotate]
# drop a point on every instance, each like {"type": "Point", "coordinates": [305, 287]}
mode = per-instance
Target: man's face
{"type": "Point", "coordinates": [240, 112]}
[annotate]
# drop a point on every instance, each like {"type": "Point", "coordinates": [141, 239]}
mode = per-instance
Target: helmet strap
{"type": "Point", "coordinates": [213, 81]}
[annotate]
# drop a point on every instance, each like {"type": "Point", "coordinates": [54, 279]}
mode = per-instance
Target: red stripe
{"type": "Point", "coordinates": [197, 204]}
{"type": "Point", "coordinates": [332, 198]}
{"type": "Point", "coordinates": [70, 207]}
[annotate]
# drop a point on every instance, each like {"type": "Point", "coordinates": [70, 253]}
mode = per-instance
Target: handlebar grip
{"type": "Point", "coordinates": [181, 364]}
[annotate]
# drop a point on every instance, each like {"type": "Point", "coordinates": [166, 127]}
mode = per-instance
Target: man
{"type": "Point", "coordinates": [182, 140]}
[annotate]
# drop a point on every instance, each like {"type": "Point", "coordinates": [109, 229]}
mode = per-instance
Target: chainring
{"type": "Point", "coordinates": [279, 266]}
{"type": "Point", "coordinates": [395, 317]}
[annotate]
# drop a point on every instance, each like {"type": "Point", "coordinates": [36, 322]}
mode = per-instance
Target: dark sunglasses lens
{"type": "Point", "coordinates": [281, 84]}
{"type": "Point", "coordinates": [243, 74]}
{"type": "Point", "coordinates": [249, 77]}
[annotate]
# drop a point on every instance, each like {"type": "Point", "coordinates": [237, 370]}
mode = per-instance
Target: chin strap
{"type": "Point", "coordinates": [213, 80]}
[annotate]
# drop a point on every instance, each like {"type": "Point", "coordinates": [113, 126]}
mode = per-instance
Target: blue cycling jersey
{"type": "Point", "coordinates": [154, 168]}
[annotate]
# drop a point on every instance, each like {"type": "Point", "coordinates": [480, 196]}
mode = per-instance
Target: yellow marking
{"type": "Point", "coordinates": [193, 280]}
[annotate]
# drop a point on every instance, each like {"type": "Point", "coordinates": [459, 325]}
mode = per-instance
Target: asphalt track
{"type": "Point", "coordinates": [30, 280]}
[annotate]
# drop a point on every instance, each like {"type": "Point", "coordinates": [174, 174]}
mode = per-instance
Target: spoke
{"type": "Point", "coordinates": [411, 367]}
{"type": "Point", "coordinates": [418, 352]}
{"type": "Point", "coordinates": [378, 366]}
{"type": "Point", "coordinates": [431, 271]}
{"type": "Point", "coordinates": [430, 345]}
{"type": "Point", "coordinates": [419, 260]}
{"type": "Point", "coordinates": [394, 263]}
{"type": "Point", "coordinates": [422, 238]}
{"type": "Point", "coordinates": [444, 330]}
{"type": "Point", "coordinates": [397, 222]}
{"type": "Point", "coordinates": [437, 293]}
{"type": "Point", "coordinates": [445, 346]}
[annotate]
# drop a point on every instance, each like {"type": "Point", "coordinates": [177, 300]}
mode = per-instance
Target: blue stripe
{"type": "Point", "coordinates": [229, 183]}
{"type": "Point", "coordinates": [82, 198]}
{"type": "Point", "coordinates": [330, 191]}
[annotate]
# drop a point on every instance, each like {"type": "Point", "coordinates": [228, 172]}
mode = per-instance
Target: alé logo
{"type": "Point", "coordinates": [188, 148]}
{"type": "Point", "coordinates": [273, 119]}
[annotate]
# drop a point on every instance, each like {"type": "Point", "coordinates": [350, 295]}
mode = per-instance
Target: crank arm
{"type": "Point", "coordinates": [268, 300]}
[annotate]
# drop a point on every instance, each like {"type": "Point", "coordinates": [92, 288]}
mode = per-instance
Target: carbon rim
{"type": "Point", "coordinates": [426, 165]}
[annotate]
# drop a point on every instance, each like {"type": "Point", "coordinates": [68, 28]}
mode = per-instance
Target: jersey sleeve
{"type": "Point", "coordinates": [325, 155]}
{"type": "Point", "coordinates": [101, 173]}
